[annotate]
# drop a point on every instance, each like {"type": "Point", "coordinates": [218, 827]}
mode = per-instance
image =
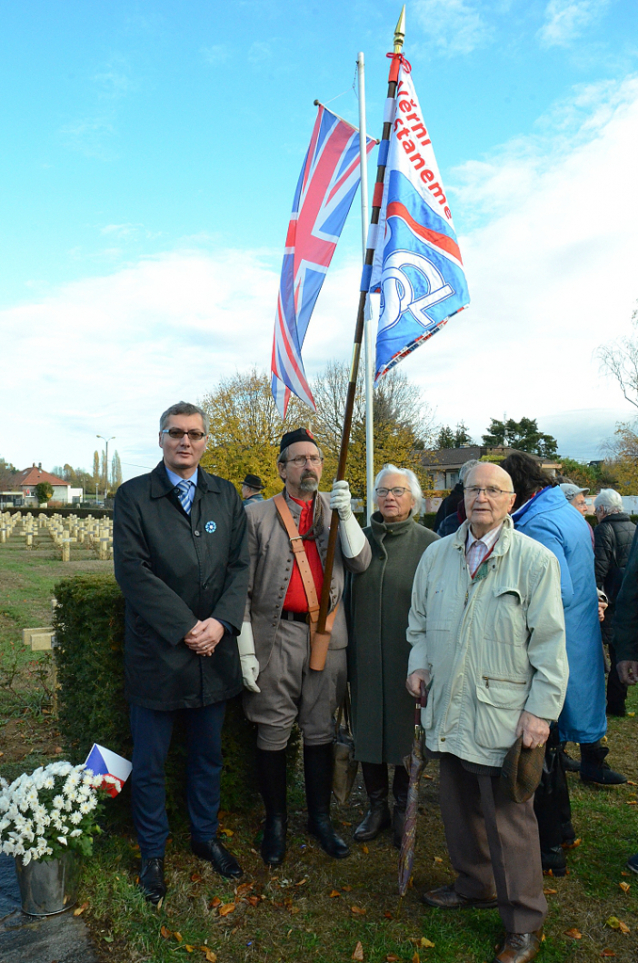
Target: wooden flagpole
{"type": "Point", "coordinates": [321, 639]}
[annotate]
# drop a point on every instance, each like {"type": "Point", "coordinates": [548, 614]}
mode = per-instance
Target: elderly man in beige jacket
{"type": "Point", "coordinates": [488, 637]}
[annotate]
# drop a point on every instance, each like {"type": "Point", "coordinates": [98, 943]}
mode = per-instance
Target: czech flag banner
{"type": "Point", "coordinates": [328, 182]}
{"type": "Point", "coordinates": [417, 265]}
{"type": "Point", "coordinates": [103, 762]}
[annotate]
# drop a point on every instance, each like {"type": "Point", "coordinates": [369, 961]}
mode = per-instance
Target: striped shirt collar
{"type": "Point", "coordinates": [489, 539]}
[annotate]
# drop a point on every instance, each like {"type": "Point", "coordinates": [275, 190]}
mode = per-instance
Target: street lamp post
{"type": "Point", "coordinates": [106, 461]}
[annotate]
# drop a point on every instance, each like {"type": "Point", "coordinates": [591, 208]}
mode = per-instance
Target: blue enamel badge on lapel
{"type": "Point", "coordinates": [210, 527]}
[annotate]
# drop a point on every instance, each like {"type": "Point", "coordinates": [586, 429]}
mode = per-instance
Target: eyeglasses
{"type": "Point", "coordinates": [474, 491]}
{"type": "Point", "coordinates": [397, 492]}
{"type": "Point", "coordinates": [177, 433]}
{"type": "Point", "coordinates": [300, 460]}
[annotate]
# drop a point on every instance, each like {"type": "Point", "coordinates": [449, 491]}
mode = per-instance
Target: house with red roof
{"type": "Point", "coordinates": [25, 481]}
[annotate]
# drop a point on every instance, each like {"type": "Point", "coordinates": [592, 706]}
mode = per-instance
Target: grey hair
{"type": "Point", "coordinates": [411, 479]}
{"type": "Point", "coordinates": [609, 500]}
{"type": "Point", "coordinates": [282, 457]}
{"type": "Point", "coordinates": [465, 468]}
{"type": "Point", "coordinates": [184, 408]}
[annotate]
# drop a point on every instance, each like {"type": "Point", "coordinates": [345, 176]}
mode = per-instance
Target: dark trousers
{"type": "Point", "coordinates": [152, 731]}
{"type": "Point", "coordinates": [493, 845]}
{"type": "Point", "coordinates": [616, 690]}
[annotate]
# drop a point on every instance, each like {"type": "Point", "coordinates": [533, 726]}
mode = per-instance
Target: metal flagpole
{"type": "Point", "coordinates": [369, 331]}
{"type": "Point", "coordinates": [321, 640]}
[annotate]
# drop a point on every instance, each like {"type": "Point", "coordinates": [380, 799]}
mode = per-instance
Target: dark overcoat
{"type": "Point", "coordinates": [378, 602]}
{"type": "Point", "coordinates": [175, 569]}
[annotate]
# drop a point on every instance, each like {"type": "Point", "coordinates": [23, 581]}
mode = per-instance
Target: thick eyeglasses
{"type": "Point", "coordinates": [178, 433]}
{"type": "Point", "coordinates": [491, 492]}
{"type": "Point", "coordinates": [397, 492]}
{"type": "Point", "coordinates": [301, 460]}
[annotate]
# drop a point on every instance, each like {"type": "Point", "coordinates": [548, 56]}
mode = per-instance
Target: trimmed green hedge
{"type": "Point", "coordinates": [89, 630]}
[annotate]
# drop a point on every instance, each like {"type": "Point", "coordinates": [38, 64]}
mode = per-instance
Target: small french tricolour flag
{"type": "Point", "coordinates": [103, 762]}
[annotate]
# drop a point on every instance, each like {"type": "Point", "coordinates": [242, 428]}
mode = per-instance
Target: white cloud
{"type": "Point", "coordinates": [455, 26]}
{"type": "Point", "coordinates": [91, 137]}
{"type": "Point", "coordinates": [565, 20]}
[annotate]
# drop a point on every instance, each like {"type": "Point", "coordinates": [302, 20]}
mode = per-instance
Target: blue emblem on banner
{"type": "Point", "coordinates": [211, 527]}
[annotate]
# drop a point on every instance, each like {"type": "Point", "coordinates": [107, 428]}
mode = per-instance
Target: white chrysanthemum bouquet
{"type": "Point", "coordinates": [52, 811]}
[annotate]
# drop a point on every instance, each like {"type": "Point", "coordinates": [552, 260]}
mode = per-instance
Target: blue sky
{"type": "Point", "coordinates": [149, 158]}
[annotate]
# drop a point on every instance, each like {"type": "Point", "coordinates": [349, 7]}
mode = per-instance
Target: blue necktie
{"type": "Point", "coordinates": [182, 490]}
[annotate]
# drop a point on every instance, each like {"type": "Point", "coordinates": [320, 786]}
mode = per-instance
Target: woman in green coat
{"type": "Point", "coordinates": [378, 606]}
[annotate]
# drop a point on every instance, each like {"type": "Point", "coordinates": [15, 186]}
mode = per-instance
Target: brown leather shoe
{"type": "Point", "coordinates": [519, 947]}
{"type": "Point", "coordinates": [446, 897]}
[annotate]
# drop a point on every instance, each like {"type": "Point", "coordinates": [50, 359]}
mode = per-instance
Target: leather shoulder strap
{"type": "Point", "coordinates": [297, 545]}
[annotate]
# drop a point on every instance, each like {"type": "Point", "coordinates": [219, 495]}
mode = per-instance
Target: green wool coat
{"type": "Point", "coordinates": [378, 603]}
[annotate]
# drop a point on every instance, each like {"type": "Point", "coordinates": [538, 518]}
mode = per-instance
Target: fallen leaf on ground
{"type": "Point", "coordinates": [572, 844]}
{"type": "Point", "coordinates": [391, 958]}
{"type": "Point", "coordinates": [58, 749]}
{"type": "Point", "coordinates": [416, 958]}
{"type": "Point", "coordinates": [334, 893]}
{"type": "Point", "coordinates": [188, 948]}
{"type": "Point", "coordinates": [84, 906]}
{"type": "Point", "coordinates": [632, 802]}
{"type": "Point", "coordinates": [550, 892]}
{"type": "Point", "coordinates": [631, 714]}
{"type": "Point", "coordinates": [574, 934]}
{"type": "Point", "coordinates": [214, 903]}
{"type": "Point", "coordinates": [426, 942]}
{"type": "Point", "coordinates": [426, 776]}
{"type": "Point", "coordinates": [302, 882]}
{"type": "Point", "coordinates": [254, 900]}
{"type": "Point", "coordinates": [226, 909]}
{"type": "Point", "coordinates": [624, 873]}
{"type": "Point", "coordinates": [165, 932]}
{"type": "Point", "coordinates": [607, 953]}
{"type": "Point", "coordinates": [630, 782]}
{"type": "Point", "coordinates": [244, 888]}
{"type": "Point", "coordinates": [365, 849]}
{"type": "Point", "coordinates": [358, 910]}
{"type": "Point", "coordinates": [438, 859]}
{"type": "Point", "coordinates": [388, 915]}
{"type": "Point", "coordinates": [178, 936]}
{"type": "Point", "coordinates": [227, 832]}
{"type": "Point", "coordinates": [624, 887]}
{"type": "Point", "coordinates": [346, 888]}
{"type": "Point", "coordinates": [358, 952]}
{"type": "Point", "coordinates": [208, 953]}
{"type": "Point", "coordinates": [617, 924]}
{"type": "Point", "coordinates": [196, 878]}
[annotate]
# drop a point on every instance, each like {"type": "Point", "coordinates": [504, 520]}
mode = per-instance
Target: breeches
{"type": "Point", "coordinates": [493, 844]}
{"type": "Point", "coordinates": [292, 691]}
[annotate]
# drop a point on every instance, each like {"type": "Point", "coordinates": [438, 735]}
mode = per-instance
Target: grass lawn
{"type": "Point", "coordinates": [313, 908]}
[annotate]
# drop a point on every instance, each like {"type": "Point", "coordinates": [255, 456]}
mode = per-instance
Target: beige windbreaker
{"type": "Point", "coordinates": [493, 646]}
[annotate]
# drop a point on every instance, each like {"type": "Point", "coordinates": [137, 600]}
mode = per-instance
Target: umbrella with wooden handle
{"type": "Point", "coordinates": [415, 764]}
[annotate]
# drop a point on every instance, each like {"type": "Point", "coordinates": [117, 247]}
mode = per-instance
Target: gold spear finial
{"type": "Point", "coordinates": [399, 32]}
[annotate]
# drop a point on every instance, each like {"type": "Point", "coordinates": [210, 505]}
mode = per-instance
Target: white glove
{"type": "Point", "coordinates": [340, 500]}
{"type": "Point", "coordinates": [249, 664]}
{"type": "Point", "coordinates": [351, 536]}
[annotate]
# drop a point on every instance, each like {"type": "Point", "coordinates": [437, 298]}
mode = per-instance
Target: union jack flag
{"type": "Point", "coordinates": [327, 184]}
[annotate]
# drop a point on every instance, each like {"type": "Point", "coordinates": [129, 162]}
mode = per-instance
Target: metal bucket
{"type": "Point", "coordinates": [48, 886]}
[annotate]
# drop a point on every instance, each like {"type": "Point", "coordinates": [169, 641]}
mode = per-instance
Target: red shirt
{"type": "Point", "coordinates": [296, 600]}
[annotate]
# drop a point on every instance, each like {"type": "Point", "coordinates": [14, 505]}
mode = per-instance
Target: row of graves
{"type": "Point", "coordinates": [64, 531]}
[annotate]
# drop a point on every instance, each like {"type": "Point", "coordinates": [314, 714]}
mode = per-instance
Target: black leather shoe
{"type": "Point", "coordinates": [553, 860]}
{"type": "Point", "coordinates": [152, 880]}
{"type": "Point", "coordinates": [273, 844]}
{"type": "Point", "coordinates": [520, 947]}
{"type": "Point", "coordinates": [218, 856]}
{"type": "Point", "coordinates": [320, 826]}
{"type": "Point", "coordinates": [446, 897]}
{"type": "Point", "coordinates": [374, 822]}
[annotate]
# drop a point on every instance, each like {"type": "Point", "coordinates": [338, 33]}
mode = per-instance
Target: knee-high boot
{"type": "Point", "coordinates": [593, 767]}
{"type": "Point", "coordinates": [377, 818]}
{"type": "Point", "coordinates": [271, 773]}
{"type": "Point", "coordinates": [318, 765]}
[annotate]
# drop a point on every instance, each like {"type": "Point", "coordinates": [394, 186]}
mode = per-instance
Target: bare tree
{"type": "Point", "coordinates": [619, 359]}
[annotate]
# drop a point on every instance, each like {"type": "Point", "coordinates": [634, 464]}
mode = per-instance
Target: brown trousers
{"type": "Point", "coordinates": [493, 845]}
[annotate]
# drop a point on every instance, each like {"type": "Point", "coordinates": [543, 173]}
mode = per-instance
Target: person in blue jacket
{"type": "Point", "coordinates": [542, 512]}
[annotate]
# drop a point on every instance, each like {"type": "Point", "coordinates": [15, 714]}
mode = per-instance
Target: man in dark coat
{"type": "Point", "coordinates": [181, 560]}
{"type": "Point", "coordinates": [613, 536]}
{"type": "Point", "coordinates": [626, 634]}
{"type": "Point", "coordinates": [451, 502]}
{"type": "Point", "coordinates": [251, 489]}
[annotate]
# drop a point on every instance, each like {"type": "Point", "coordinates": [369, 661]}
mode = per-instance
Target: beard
{"type": "Point", "coordinates": [309, 482]}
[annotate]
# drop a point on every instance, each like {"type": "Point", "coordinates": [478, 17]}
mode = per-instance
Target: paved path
{"type": "Point", "coordinates": [27, 939]}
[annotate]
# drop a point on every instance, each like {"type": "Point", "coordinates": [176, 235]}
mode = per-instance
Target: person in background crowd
{"type": "Point", "coordinates": [451, 502]}
{"type": "Point", "coordinates": [251, 489]}
{"type": "Point", "coordinates": [276, 630]}
{"type": "Point", "coordinates": [488, 637]}
{"type": "Point", "coordinates": [613, 536]}
{"type": "Point", "coordinates": [181, 560]}
{"type": "Point", "coordinates": [625, 627]}
{"type": "Point", "coordinates": [542, 513]}
{"type": "Point", "coordinates": [576, 498]}
{"type": "Point", "coordinates": [378, 601]}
